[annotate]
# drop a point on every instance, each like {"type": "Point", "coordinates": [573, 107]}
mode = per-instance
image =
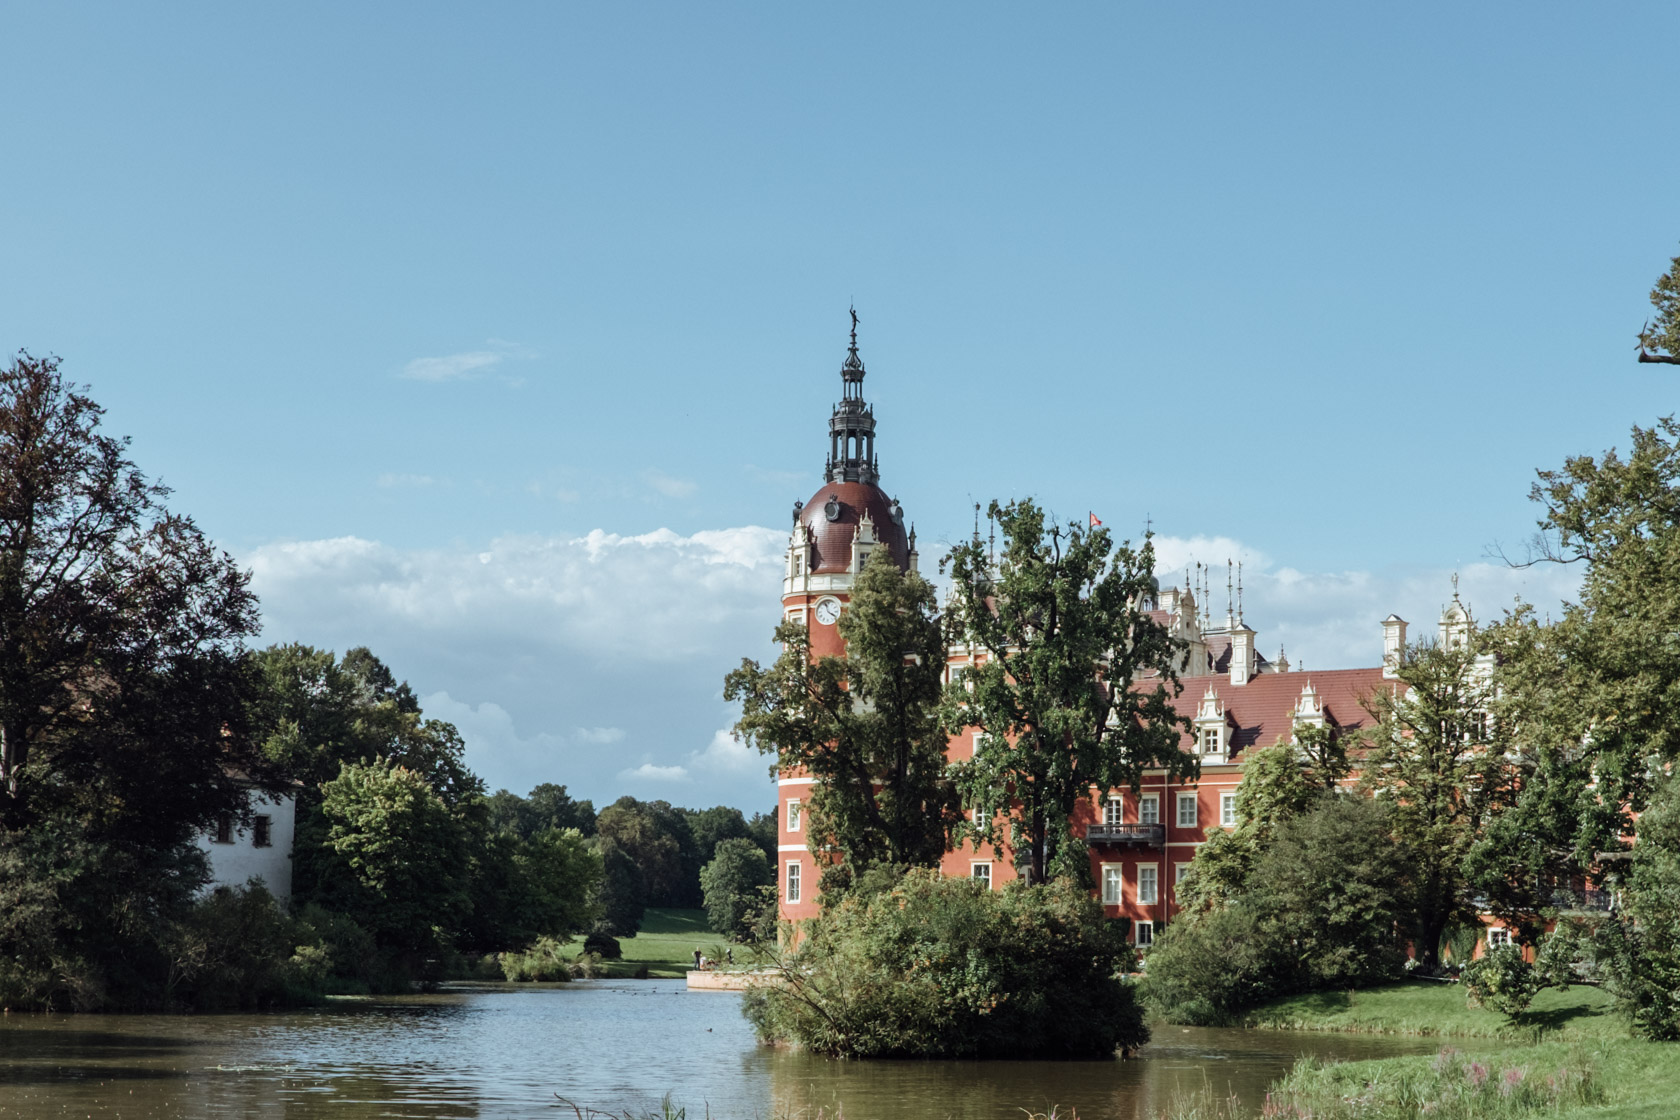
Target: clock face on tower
{"type": "Point", "coordinates": [828, 611]}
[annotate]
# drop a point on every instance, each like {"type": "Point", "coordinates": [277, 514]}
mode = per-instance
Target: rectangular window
{"type": "Point", "coordinates": [1210, 740]}
{"type": "Point", "coordinates": [260, 837]}
{"type": "Point", "coordinates": [1228, 810]}
{"type": "Point", "coordinates": [1111, 884]}
{"type": "Point", "coordinates": [982, 873]}
{"type": "Point", "coordinates": [224, 828]}
{"type": "Point", "coordinates": [1114, 811]}
{"type": "Point", "coordinates": [795, 818]}
{"type": "Point", "coordinates": [1147, 893]}
{"type": "Point", "coordinates": [1180, 870]}
{"type": "Point", "coordinates": [1143, 934]}
{"type": "Point", "coordinates": [792, 881]}
{"type": "Point", "coordinates": [1187, 810]}
{"type": "Point", "coordinates": [1149, 809]}
{"type": "Point", "coordinates": [1498, 937]}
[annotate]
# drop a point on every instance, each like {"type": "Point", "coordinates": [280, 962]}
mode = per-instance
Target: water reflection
{"type": "Point", "coordinates": [504, 1052]}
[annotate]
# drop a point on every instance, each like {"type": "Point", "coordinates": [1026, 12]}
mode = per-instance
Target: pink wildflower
{"type": "Point", "coordinates": [1477, 1073]}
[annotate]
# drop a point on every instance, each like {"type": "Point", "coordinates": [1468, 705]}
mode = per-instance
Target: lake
{"type": "Point", "coordinates": [502, 1051]}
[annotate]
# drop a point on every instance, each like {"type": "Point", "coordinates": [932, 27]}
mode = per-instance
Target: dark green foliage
{"type": "Point", "coordinates": [1060, 621]}
{"type": "Point", "coordinates": [942, 968]}
{"type": "Point", "coordinates": [548, 806]}
{"type": "Point", "coordinates": [1639, 948]}
{"type": "Point", "coordinates": [657, 838]}
{"type": "Point", "coordinates": [547, 884]}
{"type": "Point", "coordinates": [603, 944]}
{"type": "Point", "coordinates": [1318, 911]}
{"type": "Point", "coordinates": [866, 726]}
{"type": "Point", "coordinates": [1501, 980]}
{"type": "Point", "coordinates": [1659, 338]}
{"type": "Point", "coordinates": [733, 883]}
{"type": "Point", "coordinates": [545, 960]}
{"type": "Point", "coordinates": [623, 896]}
{"type": "Point", "coordinates": [238, 949]}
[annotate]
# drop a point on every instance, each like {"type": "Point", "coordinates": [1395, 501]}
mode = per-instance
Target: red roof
{"type": "Point", "coordinates": [833, 551]}
{"type": "Point", "coordinates": [1262, 711]}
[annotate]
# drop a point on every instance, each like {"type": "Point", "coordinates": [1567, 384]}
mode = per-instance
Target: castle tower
{"type": "Point", "coordinates": [834, 534]}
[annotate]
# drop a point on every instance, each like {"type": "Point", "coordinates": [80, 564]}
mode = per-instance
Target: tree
{"type": "Point", "coordinates": [548, 806]}
{"type": "Point", "coordinates": [656, 837]}
{"type": "Point", "coordinates": [1440, 763]}
{"type": "Point", "coordinates": [121, 633]}
{"type": "Point", "coordinates": [865, 726]}
{"type": "Point", "coordinates": [1639, 947]}
{"type": "Point", "coordinates": [1664, 334]}
{"type": "Point", "coordinates": [733, 883]}
{"type": "Point", "coordinates": [1075, 687]}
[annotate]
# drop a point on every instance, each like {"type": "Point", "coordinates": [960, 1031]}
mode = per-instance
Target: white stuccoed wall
{"type": "Point", "coordinates": [231, 865]}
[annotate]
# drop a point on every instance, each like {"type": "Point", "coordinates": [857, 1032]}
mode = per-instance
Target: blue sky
{"type": "Point", "coordinates": [407, 303]}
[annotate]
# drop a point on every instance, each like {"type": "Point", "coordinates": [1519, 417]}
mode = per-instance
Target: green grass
{"type": "Point", "coordinates": [1424, 1007]}
{"type": "Point", "coordinates": [665, 945]}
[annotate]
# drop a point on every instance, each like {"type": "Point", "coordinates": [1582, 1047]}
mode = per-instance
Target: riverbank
{"type": "Point", "coordinates": [664, 946]}
{"type": "Point", "coordinates": [1564, 1033]}
{"type": "Point", "coordinates": [1427, 1008]}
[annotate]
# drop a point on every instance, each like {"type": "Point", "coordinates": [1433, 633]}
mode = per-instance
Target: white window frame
{"type": "Point", "coordinates": [791, 891]}
{"type": "Point", "coordinates": [1114, 810]}
{"type": "Point", "coordinates": [1180, 870]}
{"type": "Point", "coordinates": [1148, 885]}
{"type": "Point", "coordinates": [1149, 808]}
{"type": "Point", "coordinates": [1179, 803]}
{"type": "Point", "coordinates": [795, 815]}
{"type": "Point", "coordinates": [1227, 810]}
{"type": "Point", "coordinates": [1143, 934]}
{"type": "Point", "coordinates": [1498, 937]}
{"type": "Point", "coordinates": [1212, 740]}
{"type": "Point", "coordinates": [1113, 875]}
{"type": "Point", "coordinates": [981, 871]}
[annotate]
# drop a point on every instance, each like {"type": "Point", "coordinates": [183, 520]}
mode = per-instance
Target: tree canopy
{"type": "Point", "coordinates": [1659, 338]}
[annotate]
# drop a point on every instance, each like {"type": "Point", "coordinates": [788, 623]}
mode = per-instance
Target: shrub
{"type": "Point", "coordinates": [602, 943]}
{"type": "Point", "coordinates": [943, 968]}
{"type": "Point", "coordinates": [1502, 981]}
{"type": "Point", "coordinates": [542, 961]}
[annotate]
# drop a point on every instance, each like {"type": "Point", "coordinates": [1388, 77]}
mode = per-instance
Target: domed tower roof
{"type": "Point", "coordinates": [851, 495]}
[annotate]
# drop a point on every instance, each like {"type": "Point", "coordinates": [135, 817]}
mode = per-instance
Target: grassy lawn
{"type": "Point", "coordinates": [665, 945]}
{"type": "Point", "coordinates": [1571, 1028]}
{"type": "Point", "coordinates": [1426, 1007]}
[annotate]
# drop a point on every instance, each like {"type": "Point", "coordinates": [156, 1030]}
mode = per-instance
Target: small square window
{"type": "Point", "coordinates": [795, 817]}
{"type": "Point", "coordinates": [1111, 884]}
{"type": "Point", "coordinates": [1187, 810]}
{"type": "Point", "coordinates": [1143, 934]}
{"type": "Point", "coordinates": [1149, 809]}
{"type": "Point", "coordinates": [1498, 938]}
{"type": "Point", "coordinates": [261, 836]}
{"type": "Point", "coordinates": [1228, 810]}
{"type": "Point", "coordinates": [982, 873]}
{"type": "Point", "coordinates": [792, 882]}
{"type": "Point", "coordinates": [1147, 894]}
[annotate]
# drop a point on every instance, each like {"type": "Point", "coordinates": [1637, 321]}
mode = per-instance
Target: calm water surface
{"type": "Point", "coordinates": [607, 1045]}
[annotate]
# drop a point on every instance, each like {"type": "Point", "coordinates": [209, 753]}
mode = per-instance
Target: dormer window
{"type": "Point", "coordinates": [863, 558]}
{"type": "Point", "coordinates": [1212, 741]}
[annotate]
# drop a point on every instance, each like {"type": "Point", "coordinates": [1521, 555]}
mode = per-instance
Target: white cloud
{"type": "Point", "coordinates": [648, 772]}
{"type": "Point", "coordinates": [725, 754]}
{"type": "Point", "coordinates": [452, 367]}
{"type": "Point", "coordinates": [667, 485]}
{"type": "Point", "coordinates": [599, 734]}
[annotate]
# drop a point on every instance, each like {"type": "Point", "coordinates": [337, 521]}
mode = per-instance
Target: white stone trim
{"type": "Point", "coordinates": [795, 781]}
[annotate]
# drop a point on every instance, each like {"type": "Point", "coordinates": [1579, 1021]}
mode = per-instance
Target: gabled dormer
{"type": "Point", "coordinates": [864, 541]}
{"type": "Point", "coordinates": [1308, 710]}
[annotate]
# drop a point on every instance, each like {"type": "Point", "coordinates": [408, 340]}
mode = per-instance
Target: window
{"type": "Point", "coordinates": [1147, 895]}
{"type": "Point", "coordinates": [792, 881]}
{"type": "Point", "coordinates": [1143, 934]}
{"type": "Point", "coordinates": [982, 873]}
{"type": "Point", "coordinates": [1210, 740]}
{"type": "Point", "coordinates": [798, 564]}
{"type": "Point", "coordinates": [1114, 811]}
{"type": "Point", "coordinates": [1149, 809]}
{"type": "Point", "coordinates": [1227, 810]}
{"type": "Point", "coordinates": [795, 818]}
{"type": "Point", "coordinates": [1187, 810]}
{"type": "Point", "coordinates": [224, 828]}
{"type": "Point", "coordinates": [260, 836]}
{"type": "Point", "coordinates": [1111, 884]}
{"type": "Point", "coordinates": [863, 558]}
{"type": "Point", "coordinates": [1498, 938]}
{"type": "Point", "coordinates": [1180, 870]}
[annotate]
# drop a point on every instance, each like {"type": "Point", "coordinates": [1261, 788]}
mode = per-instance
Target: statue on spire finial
{"type": "Point", "coordinates": [854, 328]}
{"type": "Point", "coordinates": [1455, 586]}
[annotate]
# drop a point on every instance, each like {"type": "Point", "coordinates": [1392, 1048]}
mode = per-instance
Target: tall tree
{"type": "Point", "coordinates": [866, 726]}
{"type": "Point", "coordinates": [121, 632]}
{"type": "Point", "coordinates": [1659, 341]}
{"type": "Point", "coordinates": [1076, 683]}
{"type": "Point", "coordinates": [1440, 764]}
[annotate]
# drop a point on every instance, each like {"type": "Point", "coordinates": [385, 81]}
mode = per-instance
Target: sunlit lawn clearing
{"type": "Point", "coordinates": [665, 945]}
{"type": "Point", "coordinates": [1424, 1007]}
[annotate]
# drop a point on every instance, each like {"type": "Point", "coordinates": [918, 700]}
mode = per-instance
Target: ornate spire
{"type": "Point", "coordinates": [851, 430]}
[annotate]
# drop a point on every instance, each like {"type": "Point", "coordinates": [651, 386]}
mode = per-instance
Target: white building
{"type": "Point", "coordinates": [261, 851]}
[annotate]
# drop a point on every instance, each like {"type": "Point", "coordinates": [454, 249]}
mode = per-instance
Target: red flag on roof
{"type": "Point", "coordinates": [1095, 521]}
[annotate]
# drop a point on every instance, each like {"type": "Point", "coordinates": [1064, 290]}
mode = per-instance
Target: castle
{"type": "Point", "coordinates": [1234, 699]}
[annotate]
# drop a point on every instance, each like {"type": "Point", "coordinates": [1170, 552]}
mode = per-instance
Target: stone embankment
{"type": "Point", "coordinates": [711, 981]}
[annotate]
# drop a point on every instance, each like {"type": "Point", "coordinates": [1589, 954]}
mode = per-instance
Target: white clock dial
{"type": "Point", "coordinates": [828, 611]}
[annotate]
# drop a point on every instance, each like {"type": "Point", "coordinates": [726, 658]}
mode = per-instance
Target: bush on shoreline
{"type": "Point", "coordinates": [931, 967]}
